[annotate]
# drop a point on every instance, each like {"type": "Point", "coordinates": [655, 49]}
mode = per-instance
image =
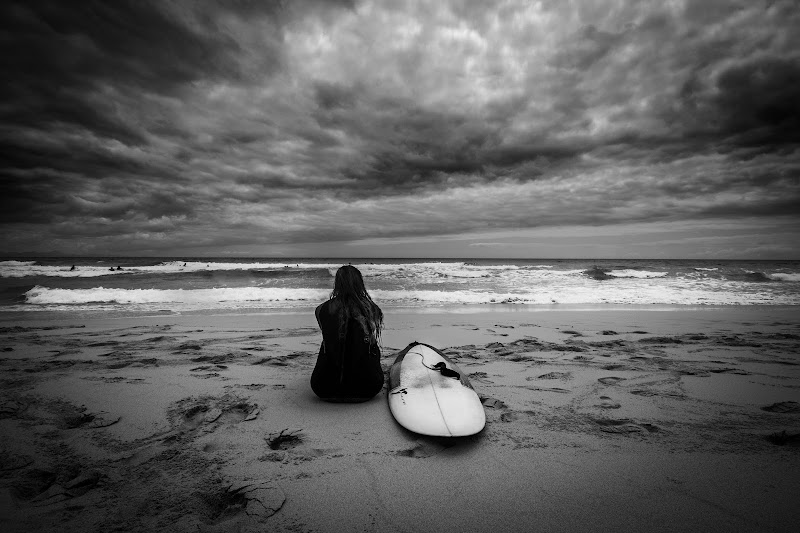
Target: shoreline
{"type": "Point", "coordinates": [662, 420]}
{"type": "Point", "coordinates": [7, 315]}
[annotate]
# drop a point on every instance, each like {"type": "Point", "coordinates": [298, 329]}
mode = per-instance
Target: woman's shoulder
{"type": "Point", "coordinates": [327, 307]}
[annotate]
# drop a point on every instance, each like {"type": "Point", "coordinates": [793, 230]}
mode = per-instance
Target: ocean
{"type": "Point", "coordinates": [191, 285]}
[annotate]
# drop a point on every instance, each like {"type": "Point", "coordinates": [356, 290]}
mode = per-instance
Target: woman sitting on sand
{"type": "Point", "coordinates": [348, 368]}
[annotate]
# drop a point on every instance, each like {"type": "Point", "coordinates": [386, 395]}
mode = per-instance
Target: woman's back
{"type": "Point", "coordinates": [348, 367]}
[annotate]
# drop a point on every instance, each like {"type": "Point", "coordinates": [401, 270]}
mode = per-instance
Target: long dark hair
{"type": "Point", "coordinates": [352, 300]}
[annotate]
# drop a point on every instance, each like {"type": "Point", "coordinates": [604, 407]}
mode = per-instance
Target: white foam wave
{"type": "Point", "coordinates": [243, 295]}
{"type": "Point", "coordinates": [784, 276]}
{"type": "Point", "coordinates": [624, 292]}
{"type": "Point", "coordinates": [16, 263]}
{"type": "Point", "coordinates": [433, 269]}
{"type": "Point", "coordinates": [706, 269]}
{"type": "Point", "coordinates": [629, 273]}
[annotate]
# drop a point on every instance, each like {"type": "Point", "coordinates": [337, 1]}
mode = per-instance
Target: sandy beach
{"type": "Point", "coordinates": [684, 419]}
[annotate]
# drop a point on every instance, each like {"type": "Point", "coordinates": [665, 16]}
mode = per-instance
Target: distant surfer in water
{"type": "Point", "coordinates": [348, 368]}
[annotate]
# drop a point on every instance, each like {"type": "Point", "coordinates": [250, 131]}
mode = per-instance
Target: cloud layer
{"type": "Point", "coordinates": [151, 127]}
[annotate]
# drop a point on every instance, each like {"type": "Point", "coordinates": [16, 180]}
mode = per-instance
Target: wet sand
{"type": "Point", "coordinates": [627, 420]}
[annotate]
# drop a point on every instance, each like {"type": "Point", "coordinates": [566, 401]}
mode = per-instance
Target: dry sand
{"type": "Point", "coordinates": [597, 420]}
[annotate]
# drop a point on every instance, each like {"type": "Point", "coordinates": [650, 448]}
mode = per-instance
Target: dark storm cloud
{"type": "Point", "coordinates": [57, 54]}
{"type": "Point", "coordinates": [257, 122]}
{"type": "Point", "coordinates": [758, 100]}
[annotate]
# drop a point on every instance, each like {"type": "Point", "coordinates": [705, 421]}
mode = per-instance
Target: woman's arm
{"type": "Point", "coordinates": [316, 314]}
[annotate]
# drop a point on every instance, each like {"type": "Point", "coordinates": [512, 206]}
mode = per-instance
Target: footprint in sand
{"type": "Point", "coordinates": [82, 419]}
{"type": "Point", "coordinates": [212, 415]}
{"type": "Point", "coordinates": [624, 425]}
{"type": "Point", "coordinates": [285, 439]}
{"type": "Point", "coordinates": [618, 426]}
{"type": "Point", "coordinates": [11, 408]}
{"type": "Point", "coordinates": [550, 389]}
{"type": "Point", "coordinates": [510, 416]}
{"type": "Point", "coordinates": [244, 505]}
{"type": "Point", "coordinates": [494, 403]}
{"type": "Point", "coordinates": [610, 380]}
{"type": "Point", "coordinates": [194, 416]}
{"type": "Point", "coordinates": [783, 407]}
{"type": "Point", "coordinates": [556, 375]}
{"type": "Point", "coordinates": [41, 488]}
{"type": "Point", "coordinates": [252, 386]}
{"type": "Point", "coordinates": [11, 461]}
{"type": "Point", "coordinates": [783, 438]}
{"type": "Point", "coordinates": [481, 377]}
{"type": "Point", "coordinates": [513, 416]}
{"type": "Point", "coordinates": [607, 403]}
{"type": "Point", "coordinates": [152, 361]}
{"type": "Point", "coordinates": [224, 413]}
{"type": "Point", "coordinates": [203, 368]}
{"type": "Point", "coordinates": [427, 447]}
{"type": "Point", "coordinates": [736, 371]}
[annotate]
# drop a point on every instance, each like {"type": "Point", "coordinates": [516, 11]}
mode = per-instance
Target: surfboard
{"type": "Point", "coordinates": [428, 394]}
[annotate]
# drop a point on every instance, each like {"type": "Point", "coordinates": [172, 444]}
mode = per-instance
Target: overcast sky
{"type": "Point", "coordinates": [401, 128]}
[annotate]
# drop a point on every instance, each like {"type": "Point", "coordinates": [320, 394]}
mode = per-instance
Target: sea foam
{"type": "Point", "coordinates": [621, 292]}
{"type": "Point", "coordinates": [629, 273]}
{"type": "Point", "coordinates": [784, 276]}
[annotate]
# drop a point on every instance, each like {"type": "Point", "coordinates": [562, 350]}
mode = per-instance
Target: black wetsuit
{"type": "Point", "coordinates": [349, 370]}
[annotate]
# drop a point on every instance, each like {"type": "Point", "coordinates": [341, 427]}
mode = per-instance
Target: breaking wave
{"type": "Point", "coordinates": [281, 297]}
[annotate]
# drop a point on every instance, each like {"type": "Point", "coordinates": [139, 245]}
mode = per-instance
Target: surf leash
{"type": "Point", "coordinates": [441, 367]}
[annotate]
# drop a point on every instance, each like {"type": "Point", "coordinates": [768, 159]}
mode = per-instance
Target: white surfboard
{"type": "Point", "coordinates": [430, 400]}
